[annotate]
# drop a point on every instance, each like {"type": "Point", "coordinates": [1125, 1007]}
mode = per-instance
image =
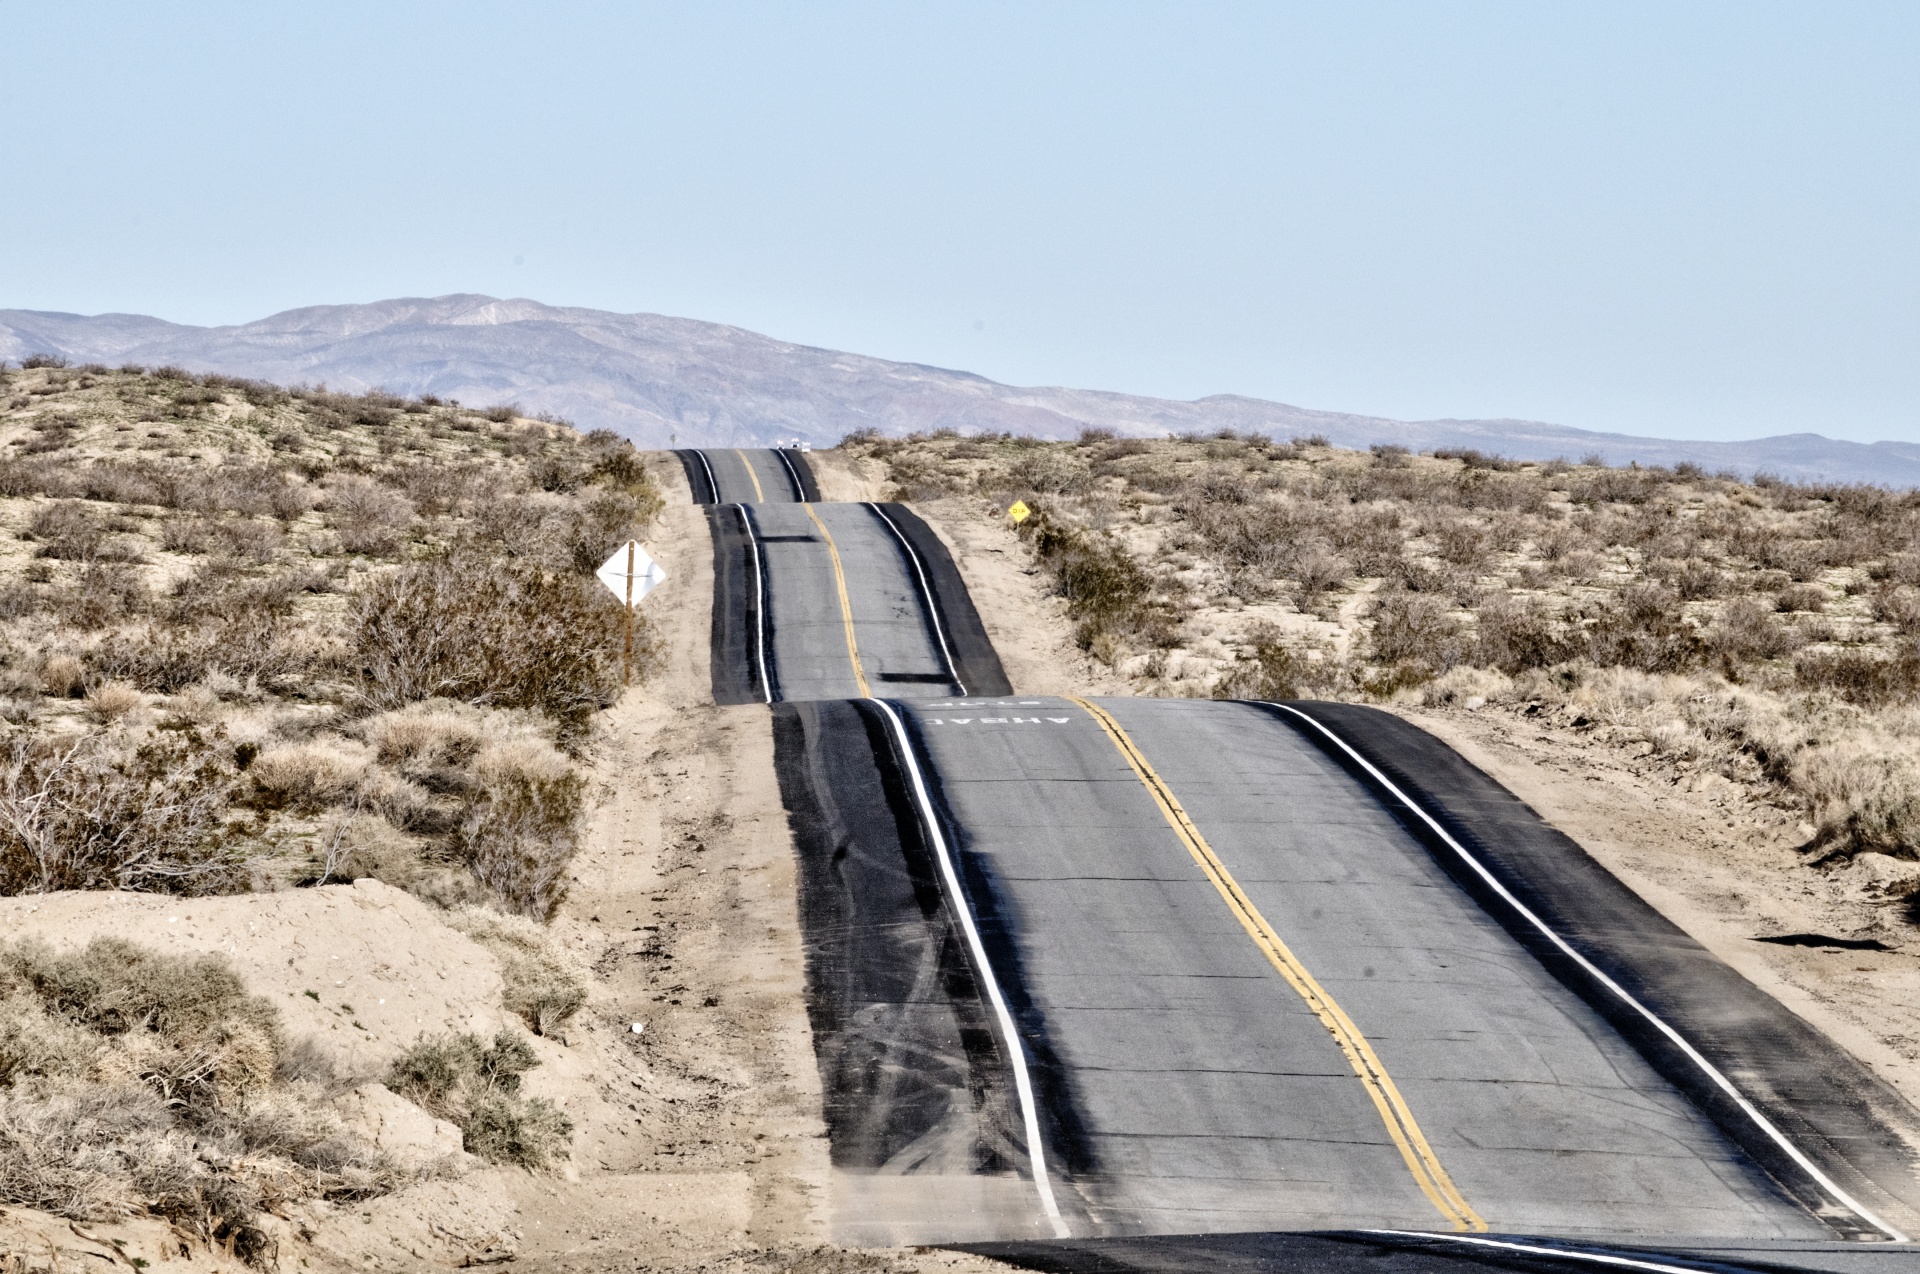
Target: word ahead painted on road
{"type": "Point", "coordinates": [631, 575]}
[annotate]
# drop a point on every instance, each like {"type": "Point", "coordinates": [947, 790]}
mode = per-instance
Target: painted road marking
{"type": "Point", "coordinates": [793, 474]}
{"type": "Point", "coordinates": [1414, 1148]}
{"type": "Point", "coordinates": [926, 595]}
{"type": "Point", "coordinates": [1534, 1249]}
{"type": "Point", "coordinates": [846, 606]}
{"type": "Point", "coordinates": [713, 488]}
{"type": "Point", "coordinates": [757, 493]}
{"type": "Point", "coordinates": [1693, 1054]}
{"type": "Point", "coordinates": [1016, 1050]}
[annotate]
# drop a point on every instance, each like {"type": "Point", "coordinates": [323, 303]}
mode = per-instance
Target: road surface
{"type": "Point", "coordinates": [1091, 971]}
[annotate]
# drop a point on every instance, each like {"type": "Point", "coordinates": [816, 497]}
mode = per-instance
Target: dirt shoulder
{"type": "Point", "coordinates": [1727, 869]}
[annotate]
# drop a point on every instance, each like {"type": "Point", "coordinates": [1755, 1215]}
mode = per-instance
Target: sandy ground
{"type": "Point", "coordinates": [699, 1143]}
{"type": "Point", "coordinates": [1726, 869]}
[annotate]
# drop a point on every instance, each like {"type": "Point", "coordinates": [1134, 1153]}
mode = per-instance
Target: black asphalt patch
{"type": "Point", "coordinates": [1363, 1252]}
{"type": "Point", "coordinates": [735, 656]}
{"type": "Point", "coordinates": [914, 1075]}
{"type": "Point", "coordinates": [974, 660]}
{"type": "Point", "coordinates": [699, 479]}
{"type": "Point", "coordinates": [800, 475]}
{"type": "Point", "coordinates": [1840, 1115]}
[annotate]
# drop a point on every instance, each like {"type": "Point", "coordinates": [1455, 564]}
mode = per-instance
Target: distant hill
{"type": "Point", "coordinates": [657, 380]}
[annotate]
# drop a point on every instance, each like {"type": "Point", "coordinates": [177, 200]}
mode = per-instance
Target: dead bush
{"type": "Point", "coordinates": [96, 812]}
{"type": "Point", "coordinates": [505, 636]}
{"type": "Point", "coordinates": [368, 517]}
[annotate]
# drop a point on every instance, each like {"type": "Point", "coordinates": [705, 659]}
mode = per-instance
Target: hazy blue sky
{"type": "Point", "coordinates": [1683, 219]}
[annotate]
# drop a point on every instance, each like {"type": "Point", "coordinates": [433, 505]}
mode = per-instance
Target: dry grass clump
{"type": "Point", "coordinates": [137, 1083]}
{"type": "Point", "coordinates": [234, 585]}
{"type": "Point", "coordinates": [546, 985]}
{"type": "Point", "coordinates": [476, 1085]}
{"type": "Point", "coordinates": [1767, 631]}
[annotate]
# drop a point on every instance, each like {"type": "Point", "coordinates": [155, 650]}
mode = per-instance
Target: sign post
{"type": "Point", "coordinates": [630, 575]}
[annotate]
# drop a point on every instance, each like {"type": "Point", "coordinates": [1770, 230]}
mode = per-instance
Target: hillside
{"type": "Point", "coordinates": [659, 380]}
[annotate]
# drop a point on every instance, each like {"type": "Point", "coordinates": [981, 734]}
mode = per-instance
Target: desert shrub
{"type": "Point", "coordinates": [168, 659]}
{"type": "Point", "coordinates": [1047, 471]}
{"type": "Point", "coordinates": [1415, 630]}
{"type": "Point", "coordinates": [69, 530]}
{"type": "Point", "coordinates": [369, 518]}
{"type": "Point", "coordinates": [307, 776]}
{"type": "Point", "coordinates": [1747, 629]}
{"type": "Point", "coordinates": [96, 812]}
{"type": "Point", "coordinates": [1643, 627]}
{"type": "Point", "coordinates": [1272, 668]}
{"type": "Point", "coordinates": [486, 633]}
{"type": "Point", "coordinates": [476, 1085]}
{"type": "Point", "coordinates": [1109, 595]}
{"type": "Point", "coordinates": [139, 1082]}
{"type": "Point", "coordinates": [1808, 598]}
{"type": "Point", "coordinates": [1514, 636]}
{"type": "Point", "coordinates": [545, 984]}
{"type": "Point", "coordinates": [1899, 607]}
{"type": "Point", "coordinates": [520, 836]}
{"type": "Point", "coordinates": [1862, 677]}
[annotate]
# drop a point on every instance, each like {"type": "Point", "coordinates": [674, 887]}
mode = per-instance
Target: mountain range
{"type": "Point", "coordinates": [672, 381]}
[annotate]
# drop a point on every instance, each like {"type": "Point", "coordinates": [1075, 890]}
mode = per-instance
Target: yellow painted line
{"type": "Point", "coordinates": [758, 494]}
{"type": "Point", "coordinates": [846, 607]}
{"type": "Point", "coordinates": [1414, 1149]}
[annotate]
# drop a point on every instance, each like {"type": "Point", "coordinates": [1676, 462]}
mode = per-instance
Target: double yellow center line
{"type": "Point", "coordinates": [846, 606]}
{"type": "Point", "coordinates": [1414, 1148]}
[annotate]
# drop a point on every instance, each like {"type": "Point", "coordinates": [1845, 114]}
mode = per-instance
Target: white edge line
{"type": "Point", "coordinates": [1016, 1051]}
{"type": "Point", "coordinates": [759, 603]}
{"type": "Point", "coordinates": [1693, 1054]}
{"type": "Point", "coordinates": [926, 592]}
{"type": "Point", "coordinates": [1598, 1258]}
{"type": "Point", "coordinates": [799, 491]}
{"type": "Point", "coordinates": [713, 484]}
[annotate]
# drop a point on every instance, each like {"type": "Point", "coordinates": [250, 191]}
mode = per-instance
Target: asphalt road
{"type": "Point", "coordinates": [840, 601]}
{"type": "Point", "coordinates": [748, 475]}
{"type": "Point", "coordinates": [1211, 1092]}
{"type": "Point", "coordinates": [1089, 971]}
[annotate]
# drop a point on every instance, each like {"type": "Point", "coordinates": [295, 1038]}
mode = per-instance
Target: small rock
{"type": "Point", "coordinates": [639, 1027]}
{"type": "Point", "coordinates": [391, 1123]}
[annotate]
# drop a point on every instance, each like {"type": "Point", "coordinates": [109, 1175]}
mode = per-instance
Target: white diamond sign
{"type": "Point", "coordinates": [630, 573]}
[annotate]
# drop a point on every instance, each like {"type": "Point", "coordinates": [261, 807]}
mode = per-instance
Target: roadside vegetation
{"type": "Point", "coordinates": [1765, 631]}
{"type": "Point", "coordinates": [258, 639]}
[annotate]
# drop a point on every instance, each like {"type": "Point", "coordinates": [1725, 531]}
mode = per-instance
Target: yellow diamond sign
{"type": "Point", "coordinates": [1019, 512]}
